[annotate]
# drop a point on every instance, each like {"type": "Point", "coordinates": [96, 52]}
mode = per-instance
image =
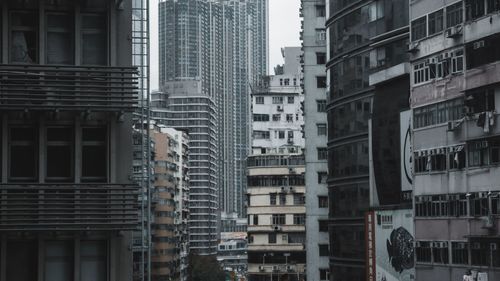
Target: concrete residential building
{"type": "Point", "coordinates": [169, 210]}
{"type": "Point", "coordinates": [455, 100]}
{"type": "Point", "coordinates": [276, 186]}
{"type": "Point", "coordinates": [219, 43]}
{"type": "Point", "coordinates": [314, 87]}
{"type": "Point", "coordinates": [66, 102]}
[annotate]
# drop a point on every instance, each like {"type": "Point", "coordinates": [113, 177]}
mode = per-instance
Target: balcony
{"type": "Point", "coordinates": [68, 207]}
{"type": "Point", "coordinates": [68, 88]}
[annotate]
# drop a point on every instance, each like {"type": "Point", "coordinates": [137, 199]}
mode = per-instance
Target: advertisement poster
{"type": "Point", "coordinates": [394, 247]}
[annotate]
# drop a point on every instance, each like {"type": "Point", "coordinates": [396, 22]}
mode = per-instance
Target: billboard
{"type": "Point", "coordinates": [393, 248]}
{"type": "Point", "coordinates": [406, 150]}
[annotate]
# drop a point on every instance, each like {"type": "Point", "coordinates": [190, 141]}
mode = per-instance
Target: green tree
{"type": "Point", "coordinates": [205, 268]}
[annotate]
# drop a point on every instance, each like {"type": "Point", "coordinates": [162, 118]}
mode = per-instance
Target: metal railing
{"type": "Point", "coordinates": [48, 87]}
{"type": "Point", "coordinates": [68, 207]}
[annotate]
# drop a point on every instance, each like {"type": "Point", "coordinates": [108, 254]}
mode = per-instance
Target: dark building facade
{"type": "Point", "coordinates": [67, 90]}
{"type": "Point", "coordinates": [363, 37]}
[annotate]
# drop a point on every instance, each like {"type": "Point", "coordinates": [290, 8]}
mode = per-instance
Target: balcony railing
{"type": "Point", "coordinates": [70, 207]}
{"type": "Point", "coordinates": [47, 87]}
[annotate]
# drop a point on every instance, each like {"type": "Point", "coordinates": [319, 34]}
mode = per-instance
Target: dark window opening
{"type": "Point", "coordinates": [23, 253]}
{"type": "Point", "coordinates": [324, 250]}
{"type": "Point", "coordinates": [94, 155]}
{"type": "Point", "coordinates": [320, 58]}
{"type": "Point", "coordinates": [321, 81]}
{"type": "Point", "coordinates": [271, 238]}
{"type": "Point", "coordinates": [454, 14]}
{"type": "Point", "coordinates": [474, 9]}
{"type": "Point", "coordinates": [323, 225]}
{"type": "Point", "coordinates": [23, 160]}
{"type": "Point", "coordinates": [59, 154]}
{"type": "Point", "coordinates": [419, 28]}
{"type": "Point", "coordinates": [423, 251]}
{"type": "Point", "coordinates": [94, 40]}
{"type": "Point", "coordinates": [436, 22]}
{"type": "Point", "coordinates": [24, 37]}
{"type": "Point", "coordinates": [480, 101]}
{"type": "Point", "coordinates": [60, 29]}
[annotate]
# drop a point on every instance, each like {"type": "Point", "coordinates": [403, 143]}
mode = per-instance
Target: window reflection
{"type": "Point", "coordinates": [350, 118]}
{"type": "Point", "coordinates": [24, 37]}
{"type": "Point", "coordinates": [354, 159]}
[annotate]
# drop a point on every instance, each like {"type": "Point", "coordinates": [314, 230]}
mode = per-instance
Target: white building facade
{"type": "Point", "coordinates": [313, 64]}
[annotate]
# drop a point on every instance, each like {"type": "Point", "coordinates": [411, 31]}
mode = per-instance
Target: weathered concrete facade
{"type": "Point", "coordinates": [455, 100]}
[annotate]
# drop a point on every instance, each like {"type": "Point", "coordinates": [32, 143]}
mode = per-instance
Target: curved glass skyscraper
{"type": "Point", "coordinates": [363, 37]}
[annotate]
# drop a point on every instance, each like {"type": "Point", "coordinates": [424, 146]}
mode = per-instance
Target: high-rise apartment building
{"type": "Point", "coordinates": [314, 86]}
{"type": "Point", "coordinates": [182, 105]}
{"type": "Point", "coordinates": [276, 186]}
{"type": "Point", "coordinates": [354, 31]}
{"type": "Point", "coordinates": [67, 91]}
{"type": "Point", "coordinates": [223, 44]}
{"type": "Point", "coordinates": [455, 100]}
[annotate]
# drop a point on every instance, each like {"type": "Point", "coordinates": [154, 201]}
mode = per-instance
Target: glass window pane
{"type": "Point", "coordinates": [59, 261]}
{"type": "Point", "coordinates": [93, 261]}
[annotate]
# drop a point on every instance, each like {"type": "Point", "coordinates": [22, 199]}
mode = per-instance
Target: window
{"type": "Point", "coordinates": [474, 9]}
{"type": "Point", "coordinates": [276, 117]}
{"type": "Point", "coordinates": [299, 199]}
{"type": "Point", "coordinates": [23, 160]}
{"type": "Point", "coordinates": [321, 129]}
{"type": "Point", "coordinates": [438, 113]}
{"type": "Point", "coordinates": [294, 83]}
{"type": "Point", "coordinates": [59, 154]}
{"type": "Point", "coordinates": [321, 81]}
{"type": "Point", "coordinates": [271, 238]}
{"type": "Point", "coordinates": [459, 253]}
{"type": "Point", "coordinates": [23, 253]}
{"type": "Point", "coordinates": [261, 135]}
{"type": "Point", "coordinates": [272, 198]}
{"type": "Point", "coordinates": [291, 100]}
{"type": "Point", "coordinates": [436, 22]}
{"type": "Point", "coordinates": [320, 34]}
{"type": "Point", "coordinates": [256, 219]}
{"type": "Point", "coordinates": [94, 154]}
{"type": "Point", "coordinates": [281, 81]}
{"type": "Point", "coordinates": [282, 198]}
{"type": "Point", "coordinates": [478, 153]}
{"type": "Point", "coordinates": [259, 100]}
{"type": "Point", "coordinates": [419, 28]}
{"type": "Point", "coordinates": [281, 134]}
{"type": "Point", "coordinates": [299, 219]}
{"type": "Point", "coordinates": [323, 225]}
{"type": "Point", "coordinates": [324, 274]}
{"type": "Point", "coordinates": [290, 133]}
{"type": "Point", "coordinates": [60, 30]}
{"type": "Point", "coordinates": [260, 117]}
{"type": "Point", "coordinates": [93, 261]}
{"type": "Point", "coordinates": [323, 201]}
{"type": "Point", "coordinates": [479, 204]}
{"type": "Point", "coordinates": [479, 252]}
{"type": "Point", "coordinates": [322, 177]}
{"type": "Point", "coordinates": [322, 153]}
{"type": "Point", "coordinates": [423, 251]}
{"type": "Point", "coordinates": [440, 252]}
{"type": "Point", "coordinates": [320, 58]}
{"type": "Point", "coordinates": [24, 37]}
{"type": "Point", "coordinates": [59, 260]}
{"type": "Point", "coordinates": [289, 118]}
{"type": "Point", "coordinates": [457, 158]}
{"type": "Point", "coordinates": [324, 250]}
{"type": "Point", "coordinates": [320, 10]}
{"type": "Point", "coordinates": [93, 40]}
{"type": "Point", "coordinates": [454, 14]}
{"type": "Point", "coordinates": [277, 100]}
{"type": "Point", "coordinates": [321, 105]}
{"type": "Point", "coordinates": [287, 81]}
{"type": "Point", "coordinates": [480, 101]}
{"type": "Point", "coordinates": [493, 5]}
{"type": "Point", "coordinates": [278, 219]}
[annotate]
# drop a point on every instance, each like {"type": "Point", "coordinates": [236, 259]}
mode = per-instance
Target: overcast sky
{"type": "Point", "coordinates": [284, 28]}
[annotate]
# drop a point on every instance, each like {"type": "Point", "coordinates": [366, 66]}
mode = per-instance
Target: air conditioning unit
{"type": "Point", "coordinates": [413, 47]}
{"type": "Point", "coordinates": [291, 189]}
{"type": "Point", "coordinates": [275, 268]}
{"type": "Point", "coordinates": [277, 227]}
{"type": "Point", "coordinates": [489, 222]}
{"type": "Point", "coordinates": [461, 246]}
{"type": "Point", "coordinates": [289, 268]}
{"type": "Point", "coordinates": [279, 108]}
{"type": "Point", "coordinates": [261, 268]}
{"type": "Point", "coordinates": [291, 171]}
{"type": "Point", "coordinates": [290, 140]}
{"type": "Point", "coordinates": [454, 32]}
{"type": "Point", "coordinates": [478, 44]}
{"type": "Point", "coordinates": [283, 189]}
{"type": "Point", "coordinates": [451, 125]}
{"type": "Point", "coordinates": [430, 61]}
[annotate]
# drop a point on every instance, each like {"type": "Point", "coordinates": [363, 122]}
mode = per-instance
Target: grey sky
{"type": "Point", "coordinates": [284, 28]}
